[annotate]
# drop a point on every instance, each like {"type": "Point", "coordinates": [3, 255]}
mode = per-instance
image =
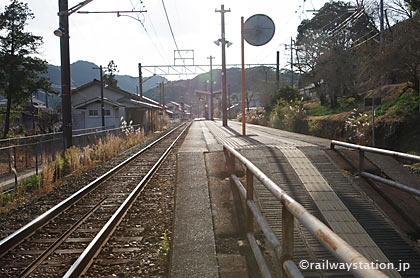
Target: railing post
{"type": "Point", "coordinates": [287, 239]}
{"type": "Point", "coordinates": [249, 196]}
{"type": "Point", "coordinates": [361, 161]}
{"type": "Point", "coordinates": [231, 163]}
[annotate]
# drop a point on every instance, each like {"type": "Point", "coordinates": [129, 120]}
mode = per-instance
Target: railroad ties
{"type": "Point", "coordinates": [66, 243]}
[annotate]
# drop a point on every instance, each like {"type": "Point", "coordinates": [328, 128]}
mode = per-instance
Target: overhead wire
{"type": "Point", "coordinates": [281, 29]}
{"type": "Point", "coordinates": [173, 37]}
{"type": "Point", "coordinates": [147, 33]}
{"type": "Point", "coordinates": [169, 23]}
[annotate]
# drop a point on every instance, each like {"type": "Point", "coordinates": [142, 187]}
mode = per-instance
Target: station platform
{"type": "Point", "coordinates": [300, 165]}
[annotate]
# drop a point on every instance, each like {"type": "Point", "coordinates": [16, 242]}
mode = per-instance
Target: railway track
{"type": "Point", "coordinates": [64, 240]}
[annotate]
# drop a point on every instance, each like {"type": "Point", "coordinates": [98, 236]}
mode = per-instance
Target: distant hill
{"type": "Point", "coordinates": [260, 81]}
{"type": "Point", "coordinates": [82, 72]}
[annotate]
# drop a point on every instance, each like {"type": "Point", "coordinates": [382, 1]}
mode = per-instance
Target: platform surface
{"type": "Point", "coordinates": [301, 167]}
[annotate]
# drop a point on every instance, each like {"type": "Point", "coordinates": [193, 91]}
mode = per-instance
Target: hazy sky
{"type": "Point", "coordinates": [101, 38]}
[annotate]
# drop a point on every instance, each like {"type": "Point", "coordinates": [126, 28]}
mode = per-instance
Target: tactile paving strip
{"type": "Point", "coordinates": [393, 245]}
{"type": "Point", "coordinates": [344, 224]}
{"type": "Point", "coordinates": [381, 233]}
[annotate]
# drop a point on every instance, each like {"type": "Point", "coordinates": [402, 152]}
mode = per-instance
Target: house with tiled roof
{"type": "Point", "coordinates": [119, 105]}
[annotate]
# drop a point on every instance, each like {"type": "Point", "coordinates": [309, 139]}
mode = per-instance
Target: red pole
{"type": "Point", "coordinates": [243, 75]}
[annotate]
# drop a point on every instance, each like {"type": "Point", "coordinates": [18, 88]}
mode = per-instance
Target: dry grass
{"type": "Point", "coordinates": [75, 161]}
{"type": "Point", "coordinates": [72, 159]}
{"type": "Point", "coordinates": [47, 177]}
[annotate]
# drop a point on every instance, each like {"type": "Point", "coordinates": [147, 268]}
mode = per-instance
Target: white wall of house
{"type": "Point", "coordinates": [91, 116]}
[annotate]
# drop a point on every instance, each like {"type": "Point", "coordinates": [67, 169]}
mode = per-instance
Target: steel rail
{"type": "Point", "coordinates": [28, 270]}
{"type": "Point", "coordinates": [21, 234]}
{"type": "Point", "coordinates": [330, 240]}
{"type": "Point", "coordinates": [82, 264]}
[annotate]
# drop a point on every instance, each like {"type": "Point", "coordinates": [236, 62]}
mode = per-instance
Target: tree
{"type": "Point", "coordinates": [109, 76]}
{"type": "Point", "coordinates": [324, 47]}
{"type": "Point", "coordinates": [20, 73]}
{"type": "Point", "coordinates": [401, 55]}
{"type": "Point", "coordinates": [414, 4]}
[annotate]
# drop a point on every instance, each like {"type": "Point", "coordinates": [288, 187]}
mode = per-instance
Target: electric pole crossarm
{"type": "Point", "coordinates": [111, 12]}
{"type": "Point", "coordinates": [74, 9]}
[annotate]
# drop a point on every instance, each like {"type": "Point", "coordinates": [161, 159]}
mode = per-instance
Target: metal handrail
{"type": "Point", "coordinates": [291, 210]}
{"type": "Point", "coordinates": [363, 173]}
{"type": "Point", "coordinates": [376, 150]}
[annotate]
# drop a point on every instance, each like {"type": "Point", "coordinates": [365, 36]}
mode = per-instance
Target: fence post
{"type": "Point", "coordinates": [26, 152]}
{"type": "Point", "coordinates": [36, 158]}
{"type": "Point", "coordinates": [249, 196]}
{"type": "Point", "coordinates": [53, 146]}
{"type": "Point", "coordinates": [287, 239]}
{"type": "Point", "coordinates": [10, 161]}
{"type": "Point", "coordinates": [15, 165]}
{"type": "Point", "coordinates": [40, 149]}
{"type": "Point", "coordinates": [361, 161]}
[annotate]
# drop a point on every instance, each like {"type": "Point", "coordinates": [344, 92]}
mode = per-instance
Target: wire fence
{"type": "Point", "coordinates": [26, 153]}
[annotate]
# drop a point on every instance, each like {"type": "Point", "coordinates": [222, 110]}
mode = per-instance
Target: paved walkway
{"type": "Point", "coordinates": [194, 252]}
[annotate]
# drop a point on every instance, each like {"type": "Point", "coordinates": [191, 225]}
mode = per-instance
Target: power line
{"type": "Point", "coordinates": [169, 23]}
{"type": "Point", "coordinates": [147, 33]}
{"type": "Point", "coordinates": [279, 31]}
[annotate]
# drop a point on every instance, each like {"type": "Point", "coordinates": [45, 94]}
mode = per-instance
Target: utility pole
{"type": "Point", "coordinates": [63, 33]}
{"type": "Point", "coordinates": [222, 11]}
{"type": "Point", "coordinates": [65, 73]}
{"type": "Point", "coordinates": [140, 81]}
{"type": "Point", "coordinates": [160, 93]}
{"type": "Point", "coordinates": [381, 17]}
{"type": "Point", "coordinates": [163, 93]}
{"type": "Point", "coordinates": [243, 90]}
{"type": "Point", "coordinates": [228, 97]}
{"type": "Point", "coordinates": [211, 87]}
{"type": "Point", "coordinates": [278, 70]}
{"type": "Point", "coordinates": [101, 78]}
{"type": "Point", "coordinates": [291, 62]}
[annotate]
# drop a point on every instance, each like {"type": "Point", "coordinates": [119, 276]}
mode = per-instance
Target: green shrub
{"type": "Point", "coordinates": [289, 115]}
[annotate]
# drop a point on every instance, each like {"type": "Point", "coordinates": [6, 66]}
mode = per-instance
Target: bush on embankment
{"type": "Point", "coordinates": [397, 120]}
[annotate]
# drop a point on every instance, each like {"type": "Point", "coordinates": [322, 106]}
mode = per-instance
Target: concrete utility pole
{"type": "Point", "coordinates": [65, 73]}
{"type": "Point", "coordinates": [101, 78]}
{"type": "Point", "coordinates": [222, 11]}
{"type": "Point", "coordinates": [211, 87]}
{"type": "Point", "coordinates": [140, 81]}
{"type": "Point", "coordinates": [163, 93]}
{"type": "Point", "coordinates": [63, 33]}
{"type": "Point", "coordinates": [278, 69]}
{"type": "Point", "coordinates": [291, 62]}
{"type": "Point", "coordinates": [381, 17]}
